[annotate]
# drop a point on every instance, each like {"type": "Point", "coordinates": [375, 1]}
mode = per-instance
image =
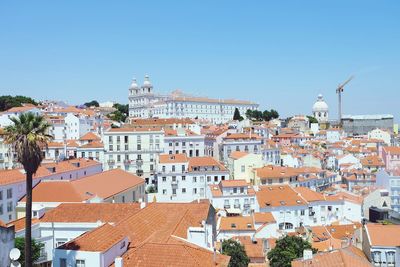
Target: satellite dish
{"type": "Point", "coordinates": [15, 254]}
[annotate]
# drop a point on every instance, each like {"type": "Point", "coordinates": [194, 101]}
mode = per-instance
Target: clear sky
{"type": "Point", "coordinates": [281, 54]}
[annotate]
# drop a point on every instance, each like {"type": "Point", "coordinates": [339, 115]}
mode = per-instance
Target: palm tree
{"type": "Point", "coordinates": [27, 136]}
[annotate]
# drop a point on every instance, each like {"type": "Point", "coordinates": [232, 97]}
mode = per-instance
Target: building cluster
{"type": "Point", "coordinates": [180, 176]}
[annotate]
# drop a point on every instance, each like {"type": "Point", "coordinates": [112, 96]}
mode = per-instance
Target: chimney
{"type": "Point", "coordinates": [119, 262]}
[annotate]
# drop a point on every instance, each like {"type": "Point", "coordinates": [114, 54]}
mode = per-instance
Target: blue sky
{"type": "Point", "coordinates": [280, 54]}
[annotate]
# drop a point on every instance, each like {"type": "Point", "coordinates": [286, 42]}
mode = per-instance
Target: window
{"type": "Point", "coordinates": [183, 168]}
{"type": "Point", "coordinates": [208, 178]}
{"type": "Point", "coordinates": [164, 191]}
{"type": "Point", "coordinates": [63, 262]}
{"type": "Point", "coordinates": [60, 241]}
{"type": "Point", "coordinates": [1, 209]}
{"type": "Point", "coordinates": [80, 263]}
{"type": "Point", "coordinates": [1, 195]}
{"type": "Point", "coordinates": [194, 190]}
{"type": "Point", "coordinates": [134, 195]}
{"type": "Point", "coordinates": [183, 190]}
{"type": "Point", "coordinates": [9, 206]}
{"type": "Point", "coordinates": [139, 147]}
{"type": "Point", "coordinates": [126, 139]}
{"type": "Point", "coordinates": [173, 168]}
{"type": "Point", "coordinates": [183, 178]}
{"type": "Point", "coordinates": [215, 178]}
{"type": "Point", "coordinates": [9, 193]}
{"type": "Point", "coordinates": [123, 199]}
{"type": "Point", "coordinates": [243, 168]}
{"type": "Point", "coordinates": [302, 212]}
{"type": "Point", "coordinates": [194, 179]}
{"type": "Point", "coordinates": [164, 179]}
{"type": "Point", "coordinates": [174, 191]}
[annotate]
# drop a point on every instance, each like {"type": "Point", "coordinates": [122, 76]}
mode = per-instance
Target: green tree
{"type": "Point", "coordinates": [7, 101]}
{"type": "Point", "coordinates": [36, 247]}
{"type": "Point", "coordinates": [249, 114]}
{"type": "Point", "coordinates": [27, 136]}
{"type": "Point", "coordinates": [92, 103]}
{"type": "Point", "coordinates": [286, 250]}
{"type": "Point", "coordinates": [120, 114]}
{"type": "Point", "coordinates": [312, 119]}
{"type": "Point", "coordinates": [236, 115]}
{"type": "Point", "coordinates": [267, 115]}
{"type": "Point", "coordinates": [237, 252]}
{"type": "Point", "coordinates": [151, 189]}
{"type": "Point", "coordinates": [274, 114]}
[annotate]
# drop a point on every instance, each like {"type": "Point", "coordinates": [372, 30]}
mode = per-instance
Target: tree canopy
{"type": "Point", "coordinates": [92, 103]}
{"type": "Point", "coordinates": [36, 247]}
{"type": "Point", "coordinates": [237, 252]}
{"type": "Point", "coordinates": [286, 250]}
{"type": "Point", "coordinates": [120, 114]}
{"type": "Point", "coordinates": [7, 101]}
{"type": "Point", "coordinates": [312, 119]}
{"type": "Point", "coordinates": [237, 116]}
{"type": "Point", "coordinates": [258, 115]}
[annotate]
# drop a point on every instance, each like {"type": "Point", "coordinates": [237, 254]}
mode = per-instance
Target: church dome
{"type": "Point", "coordinates": [134, 84]}
{"type": "Point", "coordinates": [147, 82]}
{"type": "Point", "coordinates": [320, 105]}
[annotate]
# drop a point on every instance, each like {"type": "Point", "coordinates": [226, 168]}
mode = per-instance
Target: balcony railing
{"type": "Point", "coordinates": [111, 161]}
{"type": "Point", "coordinates": [227, 206]}
{"type": "Point", "coordinates": [246, 206]}
{"type": "Point", "coordinates": [237, 206]}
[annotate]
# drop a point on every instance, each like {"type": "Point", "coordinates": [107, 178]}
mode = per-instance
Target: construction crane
{"type": "Point", "coordinates": [339, 91]}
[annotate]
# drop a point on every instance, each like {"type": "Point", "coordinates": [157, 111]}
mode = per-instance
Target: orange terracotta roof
{"type": "Point", "coordinates": [90, 212]}
{"type": "Point", "coordinates": [394, 150]}
{"type": "Point", "coordinates": [384, 235]}
{"type": "Point", "coordinates": [20, 109]}
{"type": "Point", "coordinates": [238, 154]}
{"type": "Point", "coordinates": [372, 161]}
{"type": "Point", "coordinates": [234, 183]}
{"type": "Point", "coordinates": [85, 188]}
{"type": "Point", "coordinates": [89, 137]}
{"type": "Point", "coordinates": [276, 172]}
{"type": "Point", "coordinates": [345, 257]}
{"type": "Point", "coordinates": [157, 222]}
{"type": "Point", "coordinates": [19, 224]}
{"type": "Point", "coordinates": [94, 144]}
{"type": "Point", "coordinates": [263, 217]}
{"type": "Point", "coordinates": [253, 249]}
{"type": "Point", "coordinates": [242, 136]}
{"type": "Point", "coordinates": [55, 145]}
{"type": "Point", "coordinates": [276, 196]}
{"type": "Point", "coordinates": [176, 252]}
{"type": "Point", "coordinates": [237, 223]}
{"type": "Point", "coordinates": [174, 158]}
{"type": "Point", "coordinates": [309, 195]}
{"type": "Point", "coordinates": [100, 239]}
{"type": "Point", "coordinates": [18, 175]}
{"type": "Point", "coordinates": [205, 162]}
{"type": "Point", "coordinates": [128, 130]}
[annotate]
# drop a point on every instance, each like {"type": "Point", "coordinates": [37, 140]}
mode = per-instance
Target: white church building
{"type": "Point", "coordinates": [144, 103]}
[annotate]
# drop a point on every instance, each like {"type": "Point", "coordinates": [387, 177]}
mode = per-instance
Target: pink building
{"type": "Point", "coordinates": [391, 157]}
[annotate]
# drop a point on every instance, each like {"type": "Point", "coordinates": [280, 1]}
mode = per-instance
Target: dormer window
{"type": "Point", "coordinates": [233, 225]}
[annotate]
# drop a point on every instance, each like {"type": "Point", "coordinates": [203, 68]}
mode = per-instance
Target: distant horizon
{"type": "Point", "coordinates": [279, 55]}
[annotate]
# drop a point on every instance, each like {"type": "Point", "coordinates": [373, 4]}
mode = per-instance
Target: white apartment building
{"type": "Point", "coordinates": [234, 196]}
{"type": "Point", "coordinates": [133, 150]}
{"type": "Point", "coordinates": [6, 156]}
{"type": "Point", "coordinates": [5, 117]}
{"type": "Point", "coordinates": [183, 141]}
{"type": "Point", "coordinates": [183, 179]}
{"type": "Point", "coordinates": [144, 103]}
{"type": "Point", "coordinates": [244, 142]}
{"type": "Point", "coordinates": [12, 182]}
{"type": "Point", "coordinates": [293, 207]}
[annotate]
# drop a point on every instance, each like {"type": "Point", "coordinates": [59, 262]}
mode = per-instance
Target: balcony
{"type": "Point", "coordinates": [111, 161]}
{"type": "Point", "coordinates": [236, 206]}
{"type": "Point", "coordinates": [174, 182]}
{"type": "Point", "coordinates": [139, 161]}
{"type": "Point", "coordinates": [227, 206]}
{"type": "Point", "coordinates": [1, 160]}
{"type": "Point", "coordinates": [246, 206]}
{"type": "Point", "coordinates": [311, 213]}
{"type": "Point", "coordinates": [128, 162]}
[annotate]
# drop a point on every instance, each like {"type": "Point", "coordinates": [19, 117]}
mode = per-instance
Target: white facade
{"type": "Point", "coordinates": [144, 103]}
{"type": "Point", "coordinates": [320, 110]}
{"type": "Point", "coordinates": [5, 117]}
{"type": "Point", "coordinates": [133, 150]}
{"type": "Point", "coordinates": [176, 182]}
{"type": "Point", "coordinates": [184, 142]}
{"type": "Point", "coordinates": [77, 125]}
{"type": "Point", "coordinates": [380, 134]}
